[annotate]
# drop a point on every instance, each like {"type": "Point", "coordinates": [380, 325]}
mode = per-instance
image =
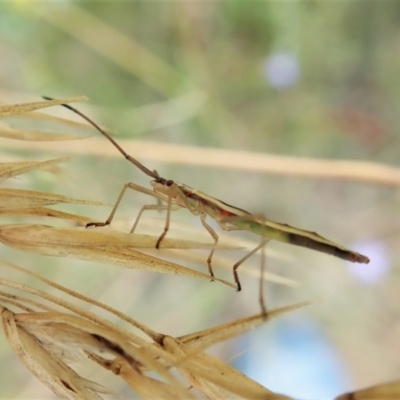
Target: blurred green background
{"type": "Point", "coordinates": [315, 79]}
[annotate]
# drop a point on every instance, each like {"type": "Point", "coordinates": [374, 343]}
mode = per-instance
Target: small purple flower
{"type": "Point", "coordinates": [282, 70]}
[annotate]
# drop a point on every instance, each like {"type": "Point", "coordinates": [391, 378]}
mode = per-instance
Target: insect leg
{"type": "Point", "coordinates": [111, 216]}
{"type": "Point", "coordinates": [211, 231]}
{"type": "Point", "coordinates": [137, 188]}
{"type": "Point", "coordinates": [242, 260]}
{"type": "Point", "coordinates": [262, 270]}
{"type": "Point", "coordinates": [159, 207]}
{"type": "Point", "coordinates": [159, 197]}
{"type": "Point", "coordinates": [166, 226]}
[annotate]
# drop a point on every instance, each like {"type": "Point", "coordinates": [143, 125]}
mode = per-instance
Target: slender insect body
{"type": "Point", "coordinates": [228, 217]}
{"type": "Point", "coordinates": [213, 207]}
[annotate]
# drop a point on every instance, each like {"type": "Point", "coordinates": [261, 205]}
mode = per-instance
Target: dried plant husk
{"type": "Point", "coordinates": [145, 386]}
{"type": "Point", "coordinates": [100, 245]}
{"type": "Point", "coordinates": [26, 111]}
{"type": "Point", "coordinates": [18, 198]}
{"type": "Point", "coordinates": [18, 202]}
{"type": "Point", "coordinates": [8, 170]}
{"type": "Point", "coordinates": [51, 343]}
{"type": "Point", "coordinates": [385, 391]}
{"type": "Point", "coordinates": [52, 371]}
{"type": "Point", "coordinates": [81, 220]}
{"type": "Point", "coordinates": [209, 337]}
{"type": "Point", "coordinates": [9, 132]}
{"type": "Point", "coordinates": [8, 110]}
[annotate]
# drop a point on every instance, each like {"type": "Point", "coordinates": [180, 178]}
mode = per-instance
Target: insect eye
{"type": "Point", "coordinates": [169, 182]}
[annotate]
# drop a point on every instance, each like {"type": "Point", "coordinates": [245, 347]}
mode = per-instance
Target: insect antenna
{"type": "Point", "coordinates": [152, 174]}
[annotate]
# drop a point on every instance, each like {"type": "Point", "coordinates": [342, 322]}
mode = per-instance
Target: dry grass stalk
{"type": "Point", "coordinates": [343, 170]}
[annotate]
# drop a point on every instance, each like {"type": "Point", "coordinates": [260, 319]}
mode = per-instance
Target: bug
{"type": "Point", "coordinates": [178, 195]}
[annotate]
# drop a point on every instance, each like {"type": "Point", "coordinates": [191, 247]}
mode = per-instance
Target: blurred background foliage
{"type": "Point", "coordinates": [309, 79]}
